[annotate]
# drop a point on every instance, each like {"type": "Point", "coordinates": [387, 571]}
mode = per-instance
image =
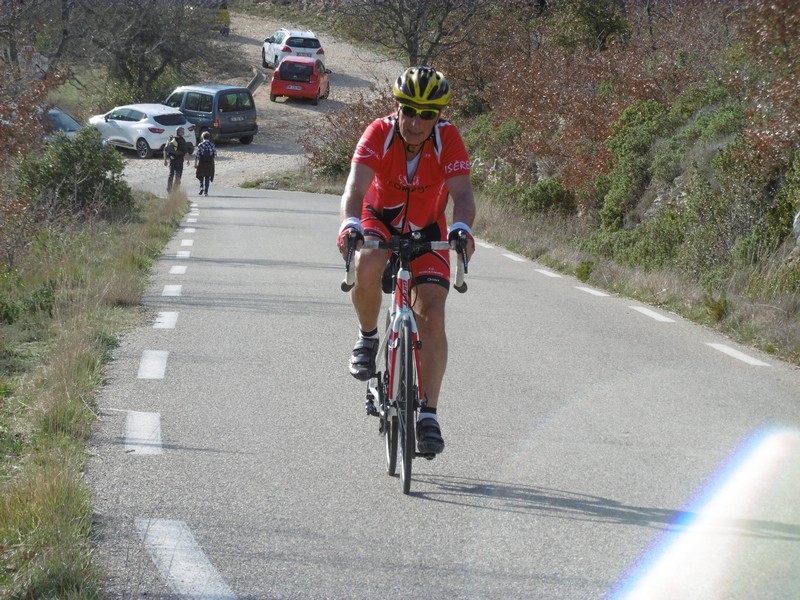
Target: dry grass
{"type": "Point", "coordinates": [96, 275]}
{"type": "Point", "coordinates": [755, 308]}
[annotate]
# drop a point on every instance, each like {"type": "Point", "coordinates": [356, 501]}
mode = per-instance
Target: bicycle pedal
{"type": "Point", "coordinates": [426, 455]}
{"type": "Point", "coordinates": [371, 410]}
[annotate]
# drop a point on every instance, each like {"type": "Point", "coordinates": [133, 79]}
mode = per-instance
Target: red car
{"type": "Point", "coordinates": [300, 77]}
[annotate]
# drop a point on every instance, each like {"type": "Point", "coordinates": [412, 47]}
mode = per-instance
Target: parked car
{"type": "Point", "coordinates": [300, 77]}
{"type": "Point", "coordinates": [226, 112]}
{"type": "Point", "coordinates": [285, 42]}
{"type": "Point", "coordinates": [145, 128]}
{"type": "Point", "coordinates": [57, 121]}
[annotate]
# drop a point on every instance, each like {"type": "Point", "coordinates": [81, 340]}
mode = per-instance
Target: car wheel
{"type": "Point", "coordinates": [275, 62]}
{"type": "Point", "coordinates": [327, 92]}
{"type": "Point", "coordinates": [143, 148]}
{"type": "Point", "coordinates": [264, 59]}
{"type": "Point", "coordinates": [273, 97]}
{"type": "Point", "coordinates": [246, 139]}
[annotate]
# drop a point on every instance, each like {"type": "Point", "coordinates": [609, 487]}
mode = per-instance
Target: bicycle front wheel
{"type": "Point", "coordinates": [406, 390]}
{"type": "Point", "coordinates": [388, 415]}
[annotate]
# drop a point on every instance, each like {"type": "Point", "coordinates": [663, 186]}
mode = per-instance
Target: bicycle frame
{"type": "Point", "coordinates": [398, 389]}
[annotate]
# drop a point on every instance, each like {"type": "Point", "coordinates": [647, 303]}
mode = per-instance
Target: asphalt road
{"type": "Point", "coordinates": [596, 447]}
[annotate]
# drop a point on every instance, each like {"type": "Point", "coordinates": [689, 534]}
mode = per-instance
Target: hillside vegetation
{"type": "Point", "coordinates": [648, 146]}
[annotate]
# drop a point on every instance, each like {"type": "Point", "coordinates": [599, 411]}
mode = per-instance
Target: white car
{"type": "Point", "coordinates": [145, 128]}
{"type": "Point", "coordinates": [286, 42]}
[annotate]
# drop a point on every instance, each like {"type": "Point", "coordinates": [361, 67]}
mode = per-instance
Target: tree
{"type": "Point", "coordinates": [144, 42]}
{"type": "Point", "coordinates": [417, 30]}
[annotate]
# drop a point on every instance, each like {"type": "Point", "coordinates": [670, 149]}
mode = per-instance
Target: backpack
{"type": "Point", "coordinates": [172, 147]}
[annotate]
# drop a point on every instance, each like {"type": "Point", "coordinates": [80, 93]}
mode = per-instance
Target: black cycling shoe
{"type": "Point", "coordinates": [429, 436]}
{"type": "Point", "coordinates": [362, 361]}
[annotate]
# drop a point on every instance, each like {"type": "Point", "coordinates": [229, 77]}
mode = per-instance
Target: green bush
{"type": "Point", "coordinates": [79, 177]}
{"type": "Point", "coordinates": [634, 134]}
{"type": "Point", "coordinates": [548, 195]}
{"type": "Point", "coordinates": [487, 142]}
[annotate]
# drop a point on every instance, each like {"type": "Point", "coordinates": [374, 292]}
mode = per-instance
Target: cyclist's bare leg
{"type": "Point", "coordinates": [367, 294]}
{"type": "Point", "coordinates": [429, 302]}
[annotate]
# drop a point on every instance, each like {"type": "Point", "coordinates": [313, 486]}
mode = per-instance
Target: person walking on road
{"type": "Point", "coordinates": [204, 162]}
{"type": "Point", "coordinates": [175, 152]}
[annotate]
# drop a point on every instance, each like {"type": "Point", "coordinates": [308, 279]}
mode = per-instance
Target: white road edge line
{"type": "Point", "coordinates": [181, 561]}
{"type": "Point", "coordinates": [153, 364]}
{"type": "Point", "coordinates": [653, 314]}
{"type": "Point", "coordinates": [143, 433]}
{"type": "Point", "coordinates": [738, 355]}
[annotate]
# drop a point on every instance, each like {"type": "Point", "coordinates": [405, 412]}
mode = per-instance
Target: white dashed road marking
{"type": "Point", "coordinates": [166, 320]}
{"type": "Point", "coordinates": [738, 355]}
{"type": "Point", "coordinates": [548, 273]}
{"type": "Point", "coordinates": [178, 270]}
{"type": "Point", "coordinates": [171, 290]}
{"type": "Point", "coordinates": [143, 433]}
{"type": "Point", "coordinates": [183, 254]}
{"type": "Point", "coordinates": [181, 561]}
{"type": "Point", "coordinates": [591, 291]}
{"type": "Point", "coordinates": [187, 242]}
{"type": "Point", "coordinates": [514, 257]}
{"type": "Point", "coordinates": [153, 364]}
{"type": "Point", "coordinates": [188, 230]}
{"type": "Point", "coordinates": [653, 314]}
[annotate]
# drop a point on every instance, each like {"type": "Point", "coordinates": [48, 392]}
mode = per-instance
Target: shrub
{"type": "Point", "coordinates": [634, 134]}
{"type": "Point", "coordinates": [77, 177]}
{"type": "Point", "coordinates": [548, 195]}
{"type": "Point", "coordinates": [330, 146]}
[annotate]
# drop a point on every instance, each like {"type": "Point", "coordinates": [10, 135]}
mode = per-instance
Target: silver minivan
{"type": "Point", "coordinates": [227, 112]}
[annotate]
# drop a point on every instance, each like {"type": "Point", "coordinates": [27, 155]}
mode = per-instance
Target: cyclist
{"type": "Point", "coordinates": [403, 169]}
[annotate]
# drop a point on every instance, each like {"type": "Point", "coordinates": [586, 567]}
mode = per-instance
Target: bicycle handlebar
{"type": "Point", "coordinates": [461, 267]}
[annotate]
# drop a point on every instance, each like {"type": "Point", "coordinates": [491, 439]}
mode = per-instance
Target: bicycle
{"type": "Point", "coordinates": [395, 393]}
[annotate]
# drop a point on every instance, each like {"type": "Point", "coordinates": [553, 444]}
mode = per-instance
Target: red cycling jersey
{"type": "Point", "coordinates": [399, 203]}
{"type": "Point", "coordinates": [409, 204]}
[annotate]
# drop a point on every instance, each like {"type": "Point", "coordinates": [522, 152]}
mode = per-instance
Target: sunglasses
{"type": "Point", "coordinates": [426, 114]}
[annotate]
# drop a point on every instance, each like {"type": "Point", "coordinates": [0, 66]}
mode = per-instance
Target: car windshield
{"type": "Point", "coordinates": [170, 119]}
{"type": "Point", "coordinates": [60, 121]}
{"type": "Point", "coordinates": [299, 42]}
{"type": "Point", "coordinates": [296, 71]}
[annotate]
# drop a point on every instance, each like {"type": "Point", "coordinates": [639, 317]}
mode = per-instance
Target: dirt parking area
{"type": "Point", "coordinates": [276, 149]}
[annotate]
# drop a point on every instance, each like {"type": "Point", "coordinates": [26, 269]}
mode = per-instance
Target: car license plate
{"type": "Point", "coordinates": [304, 54]}
{"type": "Point", "coordinates": [293, 87]}
{"type": "Point", "coordinates": [237, 119]}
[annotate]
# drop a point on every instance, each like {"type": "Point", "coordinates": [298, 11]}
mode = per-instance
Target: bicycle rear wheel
{"type": "Point", "coordinates": [405, 402]}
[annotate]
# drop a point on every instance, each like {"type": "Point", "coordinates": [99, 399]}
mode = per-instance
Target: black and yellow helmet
{"type": "Point", "coordinates": [423, 86]}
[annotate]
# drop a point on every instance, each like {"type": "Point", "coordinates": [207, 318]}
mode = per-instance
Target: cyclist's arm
{"type": "Point", "coordinates": [358, 182]}
{"type": "Point", "coordinates": [460, 189]}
